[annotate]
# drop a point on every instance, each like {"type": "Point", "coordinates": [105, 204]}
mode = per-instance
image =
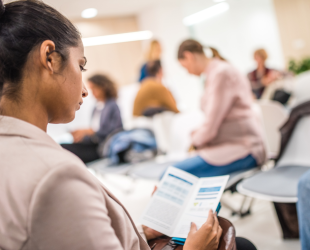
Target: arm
{"type": "Point", "coordinates": [167, 99]}
{"type": "Point", "coordinates": [221, 95]}
{"type": "Point", "coordinates": [68, 211]}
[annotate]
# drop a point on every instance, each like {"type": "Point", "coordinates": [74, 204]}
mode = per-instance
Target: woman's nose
{"type": "Point", "coordinates": [84, 91]}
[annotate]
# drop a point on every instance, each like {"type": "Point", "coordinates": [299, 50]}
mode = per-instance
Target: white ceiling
{"type": "Point", "coordinates": [106, 8]}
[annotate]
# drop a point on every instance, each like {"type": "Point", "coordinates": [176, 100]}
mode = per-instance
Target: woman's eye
{"type": "Point", "coordinates": [82, 68]}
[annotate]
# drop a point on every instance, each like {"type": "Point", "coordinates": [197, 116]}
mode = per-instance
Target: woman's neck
{"type": "Point", "coordinates": [30, 112]}
{"type": "Point", "coordinates": [261, 68]}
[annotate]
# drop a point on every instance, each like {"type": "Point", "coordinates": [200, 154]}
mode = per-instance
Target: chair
{"type": "Point", "coordinates": [280, 183]}
{"type": "Point", "coordinates": [273, 115]}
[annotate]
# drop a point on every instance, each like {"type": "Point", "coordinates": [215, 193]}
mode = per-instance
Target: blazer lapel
{"type": "Point", "coordinates": [119, 203]}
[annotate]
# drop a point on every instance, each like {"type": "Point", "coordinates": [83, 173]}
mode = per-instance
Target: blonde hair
{"type": "Point", "coordinates": [261, 53]}
{"type": "Point", "coordinates": [154, 52]}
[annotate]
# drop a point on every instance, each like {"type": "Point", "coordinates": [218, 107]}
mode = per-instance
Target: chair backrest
{"type": "Point", "coordinates": [297, 150]}
{"type": "Point", "coordinates": [301, 90]}
{"type": "Point", "coordinates": [274, 115]}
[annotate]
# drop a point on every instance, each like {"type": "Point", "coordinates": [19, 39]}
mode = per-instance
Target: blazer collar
{"type": "Point", "coordinates": [10, 126]}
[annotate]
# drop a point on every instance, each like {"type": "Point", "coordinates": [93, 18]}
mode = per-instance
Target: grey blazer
{"type": "Point", "coordinates": [49, 200]}
{"type": "Point", "coordinates": [110, 120]}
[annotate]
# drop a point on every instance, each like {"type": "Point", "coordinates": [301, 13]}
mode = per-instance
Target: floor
{"type": "Point", "coordinates": [261, 227]}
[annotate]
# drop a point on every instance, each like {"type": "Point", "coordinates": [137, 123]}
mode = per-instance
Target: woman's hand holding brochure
{"type": "Point", "coordinates": [207, 237]}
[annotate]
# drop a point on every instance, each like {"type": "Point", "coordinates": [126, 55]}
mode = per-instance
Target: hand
{"type": "Point", "coordinates": [207, 237]}
{"type": "Point", "coordinates": [151, 233]}
{"type": "Point", "coordinates": [79, 134]}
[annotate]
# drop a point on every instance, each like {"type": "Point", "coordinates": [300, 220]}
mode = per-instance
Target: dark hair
{"type": "Point", "coordinates": [106, 84]}
{"type": "Point", "coordinates": [194, 46]}
{"type": "Point", "coordinates": [24, 25]}
{"type": "Point", "coordinates": [190, 45]}
{"type": "Point", "coordinates": [153, 67]}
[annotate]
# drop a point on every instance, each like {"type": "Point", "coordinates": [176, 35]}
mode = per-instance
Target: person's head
{"type": "Point", "coordinates": [154, 69]}
{"type": "Point", "coordinates": [154, 52]}
{"type": "Point", "coordinates": [192, 57]}
{"type": "Point", "coordinates": [260, 56]}
{"type": "Point", "coordinates": [102, 87]}
{"type": "Point", "coordinates": [41, 59]}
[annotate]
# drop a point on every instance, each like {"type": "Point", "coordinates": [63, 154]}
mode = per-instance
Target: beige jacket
{"type": "Point", "coordinates": [49, 200]}
{"type": "Point", "coordinates": [231, 130]}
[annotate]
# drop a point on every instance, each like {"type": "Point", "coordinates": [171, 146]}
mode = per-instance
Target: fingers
{"type": "Point", "coordinates": [216, 223]}
{"type": "Point", "coordinates": [155, 188]}
{"type": "Point", "coordinates": [193, 228]}
{"type": "Point", "coordinates": [210, 220]}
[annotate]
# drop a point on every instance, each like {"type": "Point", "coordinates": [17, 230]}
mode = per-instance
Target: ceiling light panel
{"type": "Point", "coordinates": [89, 13]}
{"type": "Point", "coordinates": [206, 14]}
{"type": "Point", "coordinates": [117, 38]}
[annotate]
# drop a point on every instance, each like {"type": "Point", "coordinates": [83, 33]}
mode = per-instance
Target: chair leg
{"type": "Point", "coordinates": [245, 208]}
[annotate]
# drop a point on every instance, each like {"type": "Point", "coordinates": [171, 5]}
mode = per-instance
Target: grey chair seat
{"type": "Point", "coordinates": [237, 176]}
{"type": "Point", "coordinates": [150, 169]}
{"type": "Point", "coordinates": [278, 184]}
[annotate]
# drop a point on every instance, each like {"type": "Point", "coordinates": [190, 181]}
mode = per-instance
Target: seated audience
{"type": "Point", "coordinates": [262, 76]}
{"type": "Point", "coordinates": [153, 97]}
{"type": "Point", "coordinates": [230, 138]}
{"type": "Point", "coordinates": [303, 206]}
{"type": "Point", "coordinates": [154, 53]}
{"type": "Point", "coordinates": [106, 118]}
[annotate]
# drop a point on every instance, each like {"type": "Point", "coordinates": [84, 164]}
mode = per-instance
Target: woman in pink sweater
{"type": "Point", "coordinates": [230, 138]}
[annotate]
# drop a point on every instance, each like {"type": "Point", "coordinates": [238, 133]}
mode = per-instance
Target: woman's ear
{"type": "Point", "coordinates": [48, 59]}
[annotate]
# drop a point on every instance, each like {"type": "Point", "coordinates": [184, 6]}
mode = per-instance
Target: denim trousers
{"type": "Point", "coordinates": [199, 167]}
{"type": "Point", "coordinates": [303, 206]}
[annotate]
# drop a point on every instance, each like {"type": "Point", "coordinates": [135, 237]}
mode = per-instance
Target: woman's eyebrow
{"type": "Point", "coordinates": [85, 60]}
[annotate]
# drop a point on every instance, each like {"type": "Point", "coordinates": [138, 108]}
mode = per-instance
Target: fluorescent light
{"type": "Point", "coordinates": [206, 14]}
{"type": "Point", "coordinates": [89, 13]}
{"type": "Point", "coordinates": [117, 38]}
{"type": "Point", "coordinates": [218, 1]}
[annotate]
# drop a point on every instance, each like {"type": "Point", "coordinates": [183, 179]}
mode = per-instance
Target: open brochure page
{"type": "Point", "coordinates": [170, 199]}
{"type": "Point", "coordinates": [206, 196]}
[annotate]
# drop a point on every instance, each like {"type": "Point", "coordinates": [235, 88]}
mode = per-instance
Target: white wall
{"type": "Point", "coordinates": [246, 26]}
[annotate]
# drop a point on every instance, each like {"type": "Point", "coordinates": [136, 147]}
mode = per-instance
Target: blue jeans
{"type": "Point", "coordinates": [303, 206]}
{"type": "Point", "coordinates": [199, 167]}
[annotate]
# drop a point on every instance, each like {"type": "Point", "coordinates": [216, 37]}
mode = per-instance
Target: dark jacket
{"type": "Point", "coordinates": [287, 129]}
{"type": "Point", "coordinates": [110, 121]}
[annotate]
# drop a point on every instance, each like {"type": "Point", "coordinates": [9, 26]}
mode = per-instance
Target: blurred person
{"type": "Point", "coordinates": [262, 76]}
{"type": "Point", "coordinates": [216, 54]}
{"type": "Point", "coordinates": [303, 206]}
{"type": "Point", "coordinates": [49, 200]}
{"type": "Point", "coordinates": [106, 119]}
{"type": "Point", "coordinates": [153, 54]}
{"type": "Point", "coordinates": [153, 97]}
{"type": "Point", "coordinates": [230, 138]}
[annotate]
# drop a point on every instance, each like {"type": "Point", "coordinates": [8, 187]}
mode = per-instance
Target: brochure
{"type": "Point", "coordinates": [182, 198]}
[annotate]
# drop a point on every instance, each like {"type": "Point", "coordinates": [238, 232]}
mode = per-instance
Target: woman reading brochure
{"type": "Point", "coordinates": [48, 198]}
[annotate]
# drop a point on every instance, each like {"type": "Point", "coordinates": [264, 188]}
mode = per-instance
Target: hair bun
{"type": "Point", "coordinates": [2, 8]}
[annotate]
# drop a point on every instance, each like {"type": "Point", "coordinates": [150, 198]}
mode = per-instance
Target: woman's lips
{"type": "Point", "coordinates": [80, 104]}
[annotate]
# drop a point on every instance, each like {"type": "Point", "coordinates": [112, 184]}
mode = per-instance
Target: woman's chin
{"type": "Point", "coordinates": [64, 119]}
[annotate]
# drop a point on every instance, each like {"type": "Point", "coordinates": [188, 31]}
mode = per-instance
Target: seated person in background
{"type": "Point", "coordinates": [153, 97]}
{"type": "Point", "coordinates": [154, 53]}
{"type": "Point", "coordinates": [303, 206]}
{"type": "Point", "coordinates": [106, 118]}
{"type": "Point", "coordinates": [262, 76]}
{"type": "Point", "coordinates": [230, 138]}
